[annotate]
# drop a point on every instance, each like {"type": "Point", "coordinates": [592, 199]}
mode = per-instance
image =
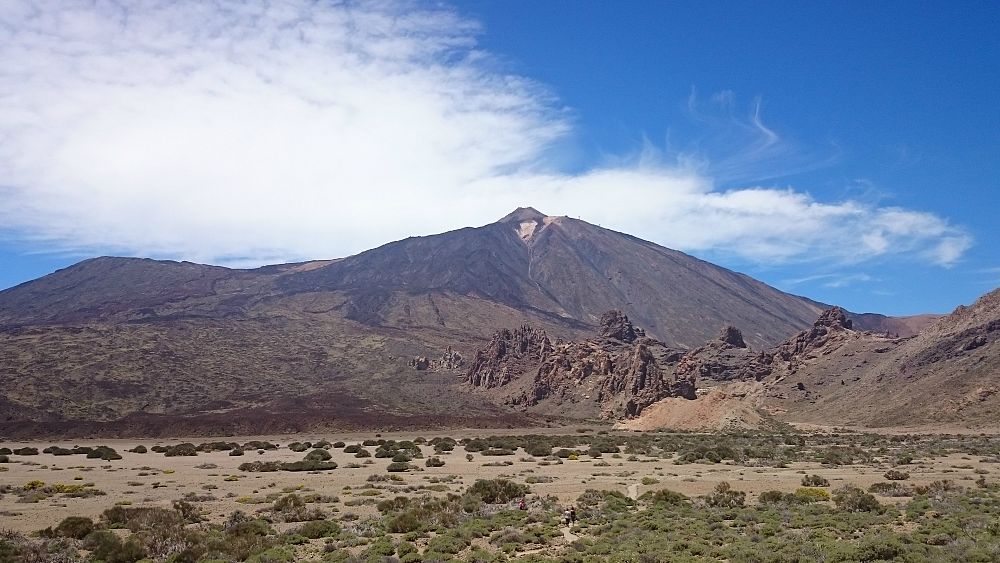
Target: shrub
{"type": "Point", "coordinates": [299, 446]}
{"type": "Point", "coordinates": [259, 445]}
{"type": "Point", "coordinates": [308, 465]}
{"type": "Point", "coordinates": [319, 529]}
{"type": "Point", "coordinates": [815, 481]}
{"type": "Point", "coordinates": [142, 518]}
{"type": "Point", "coordinates": [76, 527]}
{"type": "Point", "coordinates": [397, 467]}
{"type": "Point", "coordinates": [444, 446]}
{"type": "Point", "coordinates": [889, 489]}
{"type": "Point", "coordinates": [725, 497]}
{"type": "Point", "coordinates": [26, 451]}
{"type": "Point", "coordinates": [853, 499]}
{"type": "Point", "coordinates": [260, 466]}
{"type": "Point", "coordinates": [339, 444]}
{"type": "Point", "coordinates": [105, 453]}
{"type": "Point", "coordinates": [5, 451]}
{"type": "Point", "coordinates": [896, 475]}
{"type": "Point", "coordinates": [808, 495]}
{"type": "Point", "coordinates": [434, 462]}
{"type": "Point", "coordinates": [404, 523]}
{"type": "Point", "coordinates": [363, 453]}
{"type": "Point", "coordinates": [665, 496]}
{"type": "Point", "coordinates": [772, 497]}
{"type": "Point", "coordinates": [235, 452]}
{"type": "Point", "coordinates": [105, 546]}
{"type": "Point", "coordinates": [497, 491]}
{"type": "Point", "coordinates": [185, 449]}
{"type": "Point", "coordinates": [318, 455]}
{"type": "Point", "coordinates": [401, 458]}
{"type": "Point", "coordinates": [4, 458]}
{"type": "Point", "coordinates": [538, 449]}
{"type": "Point", "coordinates": [140, 449]}
{"type": "Point", "coordinates": [216, 446]}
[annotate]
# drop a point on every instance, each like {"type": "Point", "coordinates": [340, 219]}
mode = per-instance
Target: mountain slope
{"type": "Point", "coordinates": [948, 374]}
{"type": "Point", "coordinates": [166, 345]}
{"type": "Point", "coordinates": [564, 268]}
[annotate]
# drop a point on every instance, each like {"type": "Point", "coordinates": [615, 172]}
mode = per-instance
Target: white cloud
{"type": "Point", "coordinates": [258, 132]}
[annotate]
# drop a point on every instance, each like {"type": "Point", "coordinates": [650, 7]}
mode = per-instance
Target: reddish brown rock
{"type": "Point", "coordinates": [614, 376]}
{"type": "Point", "coordinates": [509, 352]}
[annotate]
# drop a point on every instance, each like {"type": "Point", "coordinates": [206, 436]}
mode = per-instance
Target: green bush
{"type": "Point", "coordinates": [26, 451]}
{"type": "Point", "coordinates": [434, 462]}
{"type": "Point", "coordinates": [891, 489]}
{"type": "Point", "coordinates": [362, 453]}
{"type": "Point", "coordinates": [339, 445]}
{"type": "Point", "coordinates": [76, 527]}
{"type": "Point", "coordinates": [404, 523]}
{"type": "Point", "coordinates": [352, 449]}
{"type": "Point", "coordinates": [538, 449]}
{"type": "Point", "coordinates": [140, 449]}
{"type": "Point", "coordinates": [896, 475]}
{"type": "Point", "coordinates": [4, 458]}
{"type": "Point", "coordinates": [181, 450]}
{"type": "Point", "coordinates": [772, 497]}
{"type": "Point", "coordinates": [318, 455]}
{"type": "Point", "coordinates": [105, 453]}
{"type": "Point", "coordinates": [309, 465]}
{"type": "Point", "coordinates": [235, 452]}
{"type": "Point", "coordinates": [401, 458]}
{"type": "Point", "coordinates": [808, 495]}
{"type": "Point", "coordinates": [259, 445]}
{"type": "Point", "coordinates": [497, 491]}
{"type": "Point", "coordinates": [725, 497]}
{"type": "Point", "coordinates": [665, 496]}
{"type": "Point", "coordinates": [105, 546]}
{"type": "Point", "coordinates": [299, 446]}
{"type": "Point", "coordinates": [853, 499]}
{"type": "Point", "coordinates": [397, 467]}
{"type": "Point", "coordinates": [319, 529]}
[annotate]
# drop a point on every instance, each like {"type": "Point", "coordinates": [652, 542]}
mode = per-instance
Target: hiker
{"type": "Point", "coordinates": [567, 516]}
{"type": "Point", "coordinates": [572, 515]}
{"type": "Point", "coordinates": [522, 505]}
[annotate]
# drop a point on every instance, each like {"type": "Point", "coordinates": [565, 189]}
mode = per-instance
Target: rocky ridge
{"type": "Point", "coordinates": [615, 375]}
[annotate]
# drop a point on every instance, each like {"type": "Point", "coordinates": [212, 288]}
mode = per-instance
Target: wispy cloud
{"type": "Point", "coordinates": [833, 280]}
{"type": "Point", "coordinates": [254, 132]}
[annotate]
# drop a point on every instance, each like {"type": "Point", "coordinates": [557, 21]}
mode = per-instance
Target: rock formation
{"type": "Point", "coordinates": [727, 358]}
{"type": "Point", "coordinates": [450, 360]}
{"type": "Point", "coordinates": [509, 352]}
{"type": "Point", "coordinates": [621, 372]}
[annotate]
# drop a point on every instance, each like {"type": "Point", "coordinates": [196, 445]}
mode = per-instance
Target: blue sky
{"type": "Point", "coordinates": [842, 151]}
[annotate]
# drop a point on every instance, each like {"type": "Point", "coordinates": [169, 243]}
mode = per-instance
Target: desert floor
{"type": "Point", "coordinates": [151, 479]}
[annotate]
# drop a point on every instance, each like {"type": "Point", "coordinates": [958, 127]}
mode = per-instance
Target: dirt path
{"type": "Point", "coordinates": [568, 535]}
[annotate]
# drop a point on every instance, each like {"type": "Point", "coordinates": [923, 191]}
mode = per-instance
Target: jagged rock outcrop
{"type": "Point", "coordinates": [615, 324]}
{"type": "Point", "coordinates": [619, 373]}
{"type": "Point", "coordinates": [450, 360]}
{"type": "Point", "coordinates": [727, 358]}
{"type": "Point", "coordinates": [509, 352]}
{"type": "Point", "coordinates": [732, 336]}
{"type": "Point", "coordinates": [833, 323]}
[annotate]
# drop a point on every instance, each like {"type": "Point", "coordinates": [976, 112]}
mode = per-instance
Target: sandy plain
{"type": "Point", "coordinates": [151, 479]}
